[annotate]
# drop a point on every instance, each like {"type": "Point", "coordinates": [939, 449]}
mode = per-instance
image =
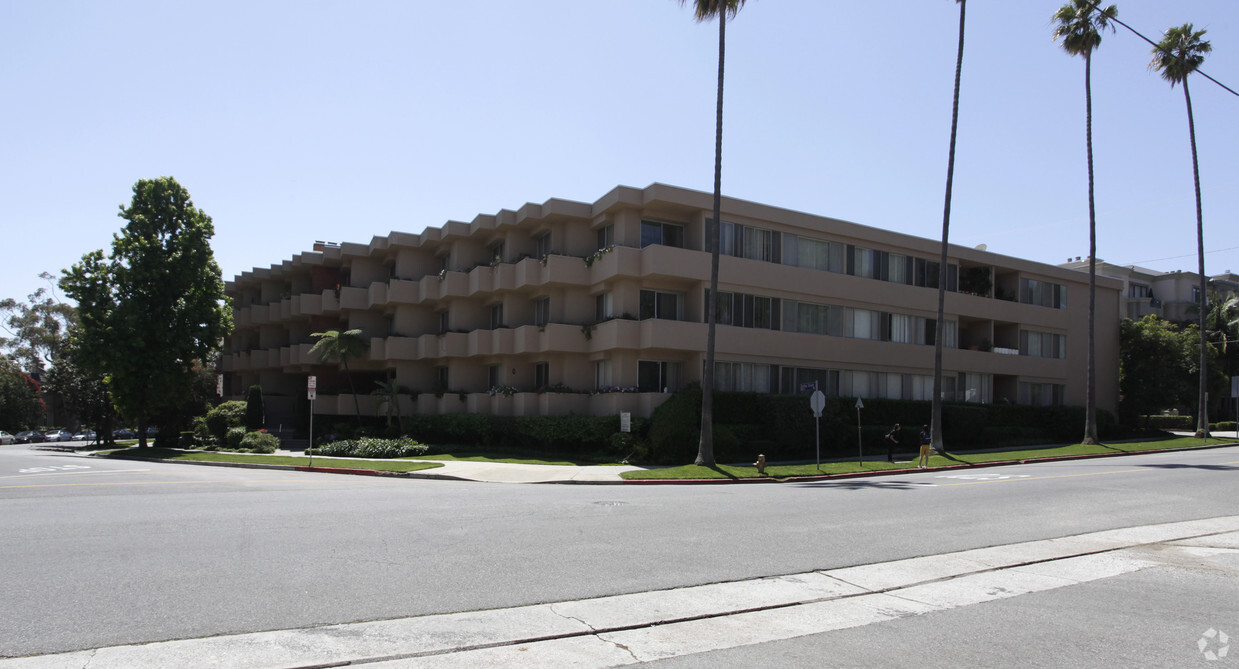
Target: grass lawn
{"type": "Point", "coordinates": [693, 472]}
{"type": "Point", "coordinates": [294, 460]}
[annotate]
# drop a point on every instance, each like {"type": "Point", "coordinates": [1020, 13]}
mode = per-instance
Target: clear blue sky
{"type": "Point", "coordinates": [296, 121]}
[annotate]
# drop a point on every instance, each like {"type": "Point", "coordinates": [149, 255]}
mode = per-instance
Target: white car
{"type": "Point", "coordinates": [5, 437]}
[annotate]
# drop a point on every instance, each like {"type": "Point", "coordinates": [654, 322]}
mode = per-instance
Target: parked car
{"type": "Point", "coordinates": [58, 435]}
{"type": "Point", "coordinates": [6, 438]}
{"type": "Point", "coordinates": [84, 435]}
{"type": "Point", "coordinates": [30, 437]}
{"type": "Point", "coordinates": [124, 433]}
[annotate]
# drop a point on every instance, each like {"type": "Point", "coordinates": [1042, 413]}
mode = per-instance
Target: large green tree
{"type": "Point", "coordinates": [1178, 54]}
{"type": "Point", "coordinates": [341, 346]}
{"type": "Point", "coordinates": [20, 406]}
{"type": "Point", "coordinates": [35, 330]}
{"type": "Point", "coordinates": [1154, 367]}
{"type": "Point", "coordinates": [85, 394]}
{"type": "Point", "coordinates": [154, 306]}
{"type": "Point", "coordinates": [936, 408]}
{"type": "Point", "coordinates": [705, 10]}
{"type": "Point", "coordinates": [1078, 26]}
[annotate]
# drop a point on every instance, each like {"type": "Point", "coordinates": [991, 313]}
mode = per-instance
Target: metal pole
{"type": "Point", "coordinates": [859, 442]}
{"type": "Point", "coordinates": [817, 437]}
{"type": "Point", "coordinates": [310, 449]}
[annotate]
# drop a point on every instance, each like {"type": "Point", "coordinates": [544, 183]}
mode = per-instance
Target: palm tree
{"type": "Point", "coordinates": [1179, 54]}
{"type": "Point", "coordinates": [388, 393]}
{"type": "Point", "coordinates": [341, 346]}
{"type": "Point", "coordinates": [1079, 26]}
{"type": "Point", "coordinates": [936, 415]}
{"type": "Point", "coordinates": [705, 10]}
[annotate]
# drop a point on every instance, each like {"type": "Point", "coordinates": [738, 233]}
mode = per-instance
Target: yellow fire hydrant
{"type": "Point", "coordinates": [761, 463]}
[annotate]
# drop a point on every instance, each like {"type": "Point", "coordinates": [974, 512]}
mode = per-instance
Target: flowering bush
{"type": "Point", "coordinates": [617, 389]}
{"type": "Point", "coordinates": [506, 391]}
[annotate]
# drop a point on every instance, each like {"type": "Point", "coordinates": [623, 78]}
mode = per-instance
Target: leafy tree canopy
{"type": "Point", "coordinates": [155, 305]}
{"type": "Point", "coordinates": [35, 330]}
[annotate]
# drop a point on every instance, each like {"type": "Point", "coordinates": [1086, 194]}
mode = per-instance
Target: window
{"type": "Point", "coordinates": [492, 376]}
{"type": "Point", "coordinates": [659, 304]}
{"type": "Point", "coordinates": [496, 316]}
{"type": "Point", "coordinates": [1041, 394]}
{"type": "Point", "coordinates": [1140, 291]}
{"type": "Point", "coordinates": [750, 311]}
{"type": "Point", "coordinates": [1043, 293]}
{"type": "Point", "coordinates": [543, 246]}
{"type": "Point", "coordinates": [973, 388]}
{"type": "Point", "coordinates": [813, 254]}
{"type": "Point", "coordinates": [496, 252]}
{"type": "Point", "coordinates": [1196, 294]}
{"type": "Point", "coordinates": [742, 376]}
{"type": "Point", "coordinates": [666, 234]}
{"type": "Point", "coordinates": [443, 322]}
{"type": "Point", "coordinates": [604, 307]}
{"type": "Point", "coordinates": [602, 374]}
{"type": "Point", "coordinates": [1043, 344]}
{"type": "Point", "coordinates": [658, 377]}
{"type": "Point", "coordinates": [606, 236]}
{"type": "Point", "coordinates": [795, 380]}
{"type": "Point", "coordinates": [542, 311]}
{"type": "Point", "coordinates": [746, 241]}
{"type": "Point", "coordinates": [441, 384]}
{"type": "Point", "coordinates": [541, 375]}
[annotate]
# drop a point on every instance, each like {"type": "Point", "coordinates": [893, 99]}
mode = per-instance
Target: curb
{"type": "Point", "coordinates": [889, 472]}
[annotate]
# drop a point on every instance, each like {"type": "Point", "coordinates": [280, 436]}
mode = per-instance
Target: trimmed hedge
{"type": "Point", "coordinates": [370, 447]}
{"type": "Point", "coordinates": [782, 426]}
{"type": "Point", "coordinates": [567, 435]}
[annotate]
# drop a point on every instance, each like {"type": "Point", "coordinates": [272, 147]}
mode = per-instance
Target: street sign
{"type": "Point", "coordinates": [219, 384]}
{"type": "Point", "coordinates": [817, 402]}
{"type": "Point", "coordinates": [808, 386]}
{"type": "Point", "coordinates": [625, 421]}
{"type": "Point", "coordinates": [311, 394]}
{"type": "Point", "coordinates": [311, 383]}
{"type": "Point", "coordinates": [1234, 386]}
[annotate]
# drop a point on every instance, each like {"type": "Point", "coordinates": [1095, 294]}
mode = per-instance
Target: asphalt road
{"type": "Point", "coordinates": [101, 552]}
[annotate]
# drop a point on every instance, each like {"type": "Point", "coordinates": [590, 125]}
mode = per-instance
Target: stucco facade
{"type": "Point", "coordinates": [595, 308]}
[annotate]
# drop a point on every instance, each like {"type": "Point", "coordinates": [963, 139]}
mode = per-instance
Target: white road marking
{"type": "Point", "coordinates": [61, 471]}
{"type": "Point", "coordinates": [984, 477]}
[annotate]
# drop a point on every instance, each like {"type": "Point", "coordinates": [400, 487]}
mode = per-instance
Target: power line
{"type": "Point", "coordinates": [1096, 5]}
{"type": "Point", "coordinates": [1189, 255]}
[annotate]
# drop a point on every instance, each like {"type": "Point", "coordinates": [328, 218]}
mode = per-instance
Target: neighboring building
{"type": "Point", "coordinates": [1172, 296]}
{"type": "Point", "coordinates": [571, 307]}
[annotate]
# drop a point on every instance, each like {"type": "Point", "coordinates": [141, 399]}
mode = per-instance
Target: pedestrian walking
{"type": "Point", "coordinates": [926, 439]}
{"type": "Point", "coordinates": [892, 440]}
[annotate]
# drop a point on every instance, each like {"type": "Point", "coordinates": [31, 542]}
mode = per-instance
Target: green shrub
{"type": "Point", "coordinates": [1222, 426]}
{"type": "Point", "coordinates": [227, 415]}
{"type": "Point", "coordinates": [1171, 422]}
{"type": "Point", "coordinates": [258, 442]}
{"type": "Point", "coordinates": [370, 447]}
{"type": "Point", "coordinates": [232, 439]}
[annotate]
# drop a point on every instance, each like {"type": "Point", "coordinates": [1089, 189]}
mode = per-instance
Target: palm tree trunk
{"type": "Point", "coordinates": [1202, 414]}
{"type": "Point", "coordinates": [1090, 401]}
{"type": "Point", "coordinates": [356, 404]}
{"type": "Point", "coordinates": [936, 413]}
{"type": "Point", "coordinates": [705, 449]}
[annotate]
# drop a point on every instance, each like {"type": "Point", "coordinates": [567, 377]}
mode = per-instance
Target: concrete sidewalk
{"type": "Point", "coordinates": [504, 472]}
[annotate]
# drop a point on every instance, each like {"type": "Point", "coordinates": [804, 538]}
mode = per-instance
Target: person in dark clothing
{"type": "Point", "coordinates": [892, 440]}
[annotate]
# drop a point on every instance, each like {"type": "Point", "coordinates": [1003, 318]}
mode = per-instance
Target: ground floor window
{"type": "Point", "coordinates": [743, 376]}
{"type": "Point", "coordinates": [658, 376]}
{"type": "Point", "coordinates": [1041, 394]}
{"type": "Point", "coordinates": [541, 375]}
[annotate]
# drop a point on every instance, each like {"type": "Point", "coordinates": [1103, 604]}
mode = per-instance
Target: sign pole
{"type": "Point", "coordinates": [817, 402]}
{"type": "Point", "coordinates": [860, 450]}
{"type": "Point", "coordinates": [311, 392]}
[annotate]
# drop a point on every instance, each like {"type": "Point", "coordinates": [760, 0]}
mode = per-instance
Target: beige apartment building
{"type": "Point", "coordinates": [1172, 296]}
{"type": "Point", "coordinates": [597, 308]}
